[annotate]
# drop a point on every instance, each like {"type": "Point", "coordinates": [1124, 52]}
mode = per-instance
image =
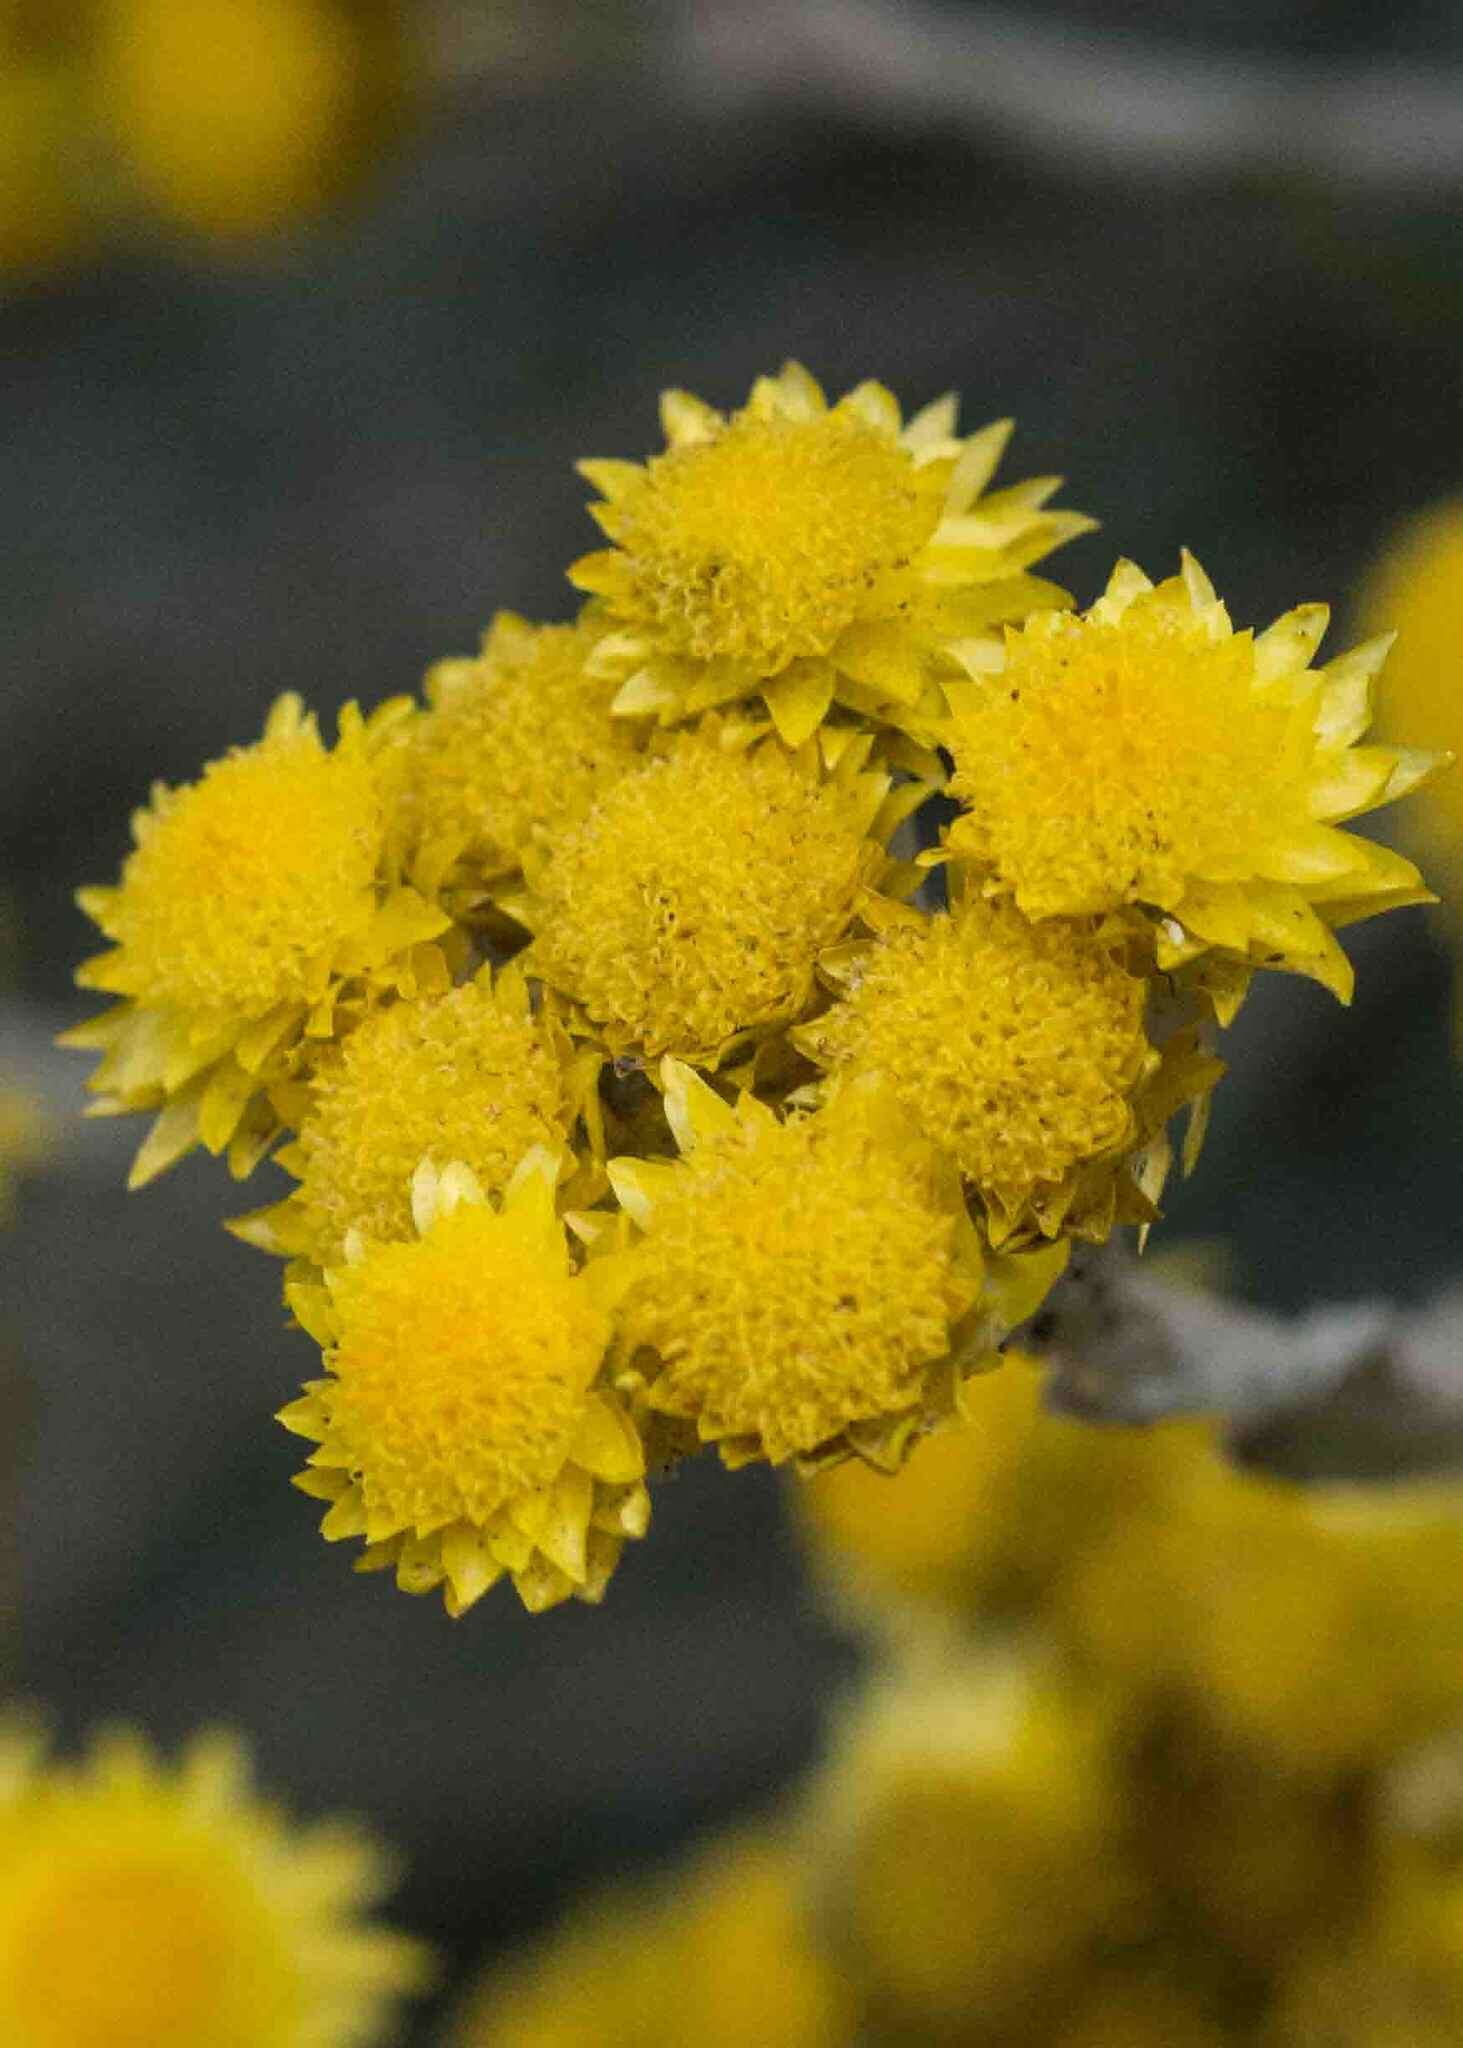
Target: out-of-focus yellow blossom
{"type": "Point", "coordinates": [720, 1954]}
{"type": "Point", "coordinates": [23, 1137]}
{"type": "Point", "coordinates": [43, 173]}
{"type": "Point", "coordinates": [460, 1428]}
{"type": "Point", "coordinates": [1138, 2007]}
{"type": "Point", "coordinates": [236, 117]}
{"type": "Point", "coordinates": [1022, 1049]}
{"type": "Point", "coordinates": [812, 555]}
{"type": "Point", "coordinates": [472, 1075]}
{"type": "Point", "coordinates": [686, 913]}
{"type": "Point", "coordinates": [516, 745]}
{"type": "Point", "coordinates": [143, 1903]}
{"type": "Point", "coordinates": [972, 1821]}
{"type": "Point", "coordinates": [1144, 753]}
{"type": "Point", "coordinates": [809, 1286]}
{"type": "Point", "coordinates": [253, 920]}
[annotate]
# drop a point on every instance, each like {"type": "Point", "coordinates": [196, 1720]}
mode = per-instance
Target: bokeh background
{"type": "Point", "coordinates": [306, 309]}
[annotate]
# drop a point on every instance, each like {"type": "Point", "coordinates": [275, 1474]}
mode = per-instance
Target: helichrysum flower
{"type": "Point", "coordinates": [971, 1824]}
{"type": "Point", "coordinates": [723, 1954]}
{"type": "Point", "coordinates": [687, 911]}
{"type": "Point", "coordinates": [1023, 1049]}
{"type": "Point", "coordinates": [142, 1903]}
{"type": "Point", "coordinates": [515, 743]}
{"type": "Point", "coordinates": [472, 1076]}
{"type": "Point", "coordinates": [811, 554]}
{"type": "Point", "coordinates": [252, 918]}
{"type": "Point", "coordinates": [812, 1285]}
{"type": "Point", "coordinates": [459, 1426]}
{"type": "Point", "coordinates": [235, 117]}
{"type": "Point", "coordinates": [1144, 753]}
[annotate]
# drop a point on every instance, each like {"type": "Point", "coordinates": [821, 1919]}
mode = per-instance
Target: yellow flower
{"type": "Point", "coordinates": [235, 117]}
{"type": "Point", "coordinates": [516, 743]}
{"type": "Point", "coordinates": [24, 1134]}
{"type": "Point", "coordinates": [141, 1904]}
{"type": "Point", "coordinates": [1144, 753]}
{"type": "Point", "coordinates": [971, 1822]}
{"type": "Point", "coordinates": [687, 912]}
{"type": "Point", "coordinates": [722, 1954]}
{"type": "Point", "coordinates": [460, 1429]}
{"type": "Point", "coordinates": [253, 909]}
{"type": "Point", "coordinates": [813, 1286]}
{"type": "Point", "coordinates": [471, 1076]}
{"type": "Point", "coordinates": [813, 555]}
{"type": "Point", "coordinates": [1022, 1049]}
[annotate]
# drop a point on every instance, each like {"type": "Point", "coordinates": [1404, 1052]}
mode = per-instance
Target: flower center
{"type": "Point", "coordinates": [767, 541]}
{"type": "Point", "coordinates": [460, 1370]}
{"type": "Point", "coordinates": [1109, 764]}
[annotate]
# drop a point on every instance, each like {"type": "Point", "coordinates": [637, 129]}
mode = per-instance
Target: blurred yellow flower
{"type": "Point", "coordinates": [235, 117]}
{"type": "Point", "coordinates": [1144, 753]}
{"type": "Point", "coordinates": [253, 908]}
{"type": "Point", "coordinates": [143, 1904]}
{"type": "Point", "coordinates": [459, 1427]}
{"type": "Point", "coordinates": [721, 1954]}
{"type": "Point", "coordinates": [811, 554]}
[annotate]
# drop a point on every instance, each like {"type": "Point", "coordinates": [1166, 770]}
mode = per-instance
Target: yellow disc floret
{"type": "Point", "coordinates": [689, 908]}
{"type": "Point", "coordinates": [1144, 753]}
{"type": "Point", "coordinates": [807, 553]}
{"type": "Point", "coordinates": [471, 1075]}
{"type": "Point", "coordinates": [1016, 1046]}
{"type": "Point", "coordinates": [240, 883]}
{"type": "Point", "coordinates": [457, 1429]}
{"type": "Point", "coordinates": [140, 1905]}
{"type": "Point", "coordinates": [802, 1280]}
{"type": "Point", "coordinates": [517, 741]}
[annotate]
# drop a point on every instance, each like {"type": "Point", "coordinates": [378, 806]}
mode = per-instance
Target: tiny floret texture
{"type": "Point", "coordinates": [709, 1022]}
{"type": "Point", "coordinates": [143, 1902]}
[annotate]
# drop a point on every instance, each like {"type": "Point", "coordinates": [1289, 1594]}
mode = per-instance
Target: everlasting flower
{"type": "Point", "coordinates": [460, 1428]}
{"type": "Point", "coordinates": [812, 1286]}
{"type": "Point", "coordinates": [1143, 753]}
{"type": "Point", "coordinates": [811, 555]}
{"type": "Point", "coordinates": [1022, 1049]}
{"type": "Point", "coordinates": [471, 1076]}
{"type": "Point", "coordinates": [141, 1904]}
{"type": "Point", "coordinates": [687, 912]}
{"type": "Point", "coordinates": [516, 743]}
{"type": "Point", "coordinates": [252, 919]}
{"type": "Point", "coordinates": [723, 1955]}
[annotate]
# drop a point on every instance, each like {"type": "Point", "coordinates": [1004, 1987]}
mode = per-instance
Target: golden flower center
{"type": "Point", "coordinates": [1013, 1045]}
{"type": "Point", "coordinates": [452, 1078]}
{"type": "Point", "coordinates": [244, 880]}
{"type": "Point", "coordinates": [132, 1948]}
{"type": "Point", "coordinates": [694, 900]}
{"type": "Point", "coordinates": [1109, 764]}
{"type": "Point", "coordinates": [767, 541]}
{"type": "Point", "coordinates": [460, 1370]}
{"type": "Point", "coordinates": [797, 1280]}
{"type": "Point", "coordinates": [517, 740]}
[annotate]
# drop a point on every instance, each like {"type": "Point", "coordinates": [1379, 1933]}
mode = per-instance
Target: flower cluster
{"type": "Point", "coordinates": [649, 1078]}
{"type": "Point", "coordinates": [1155, 1752]}
{"type": "Point", "coordinates": [142, 1902]}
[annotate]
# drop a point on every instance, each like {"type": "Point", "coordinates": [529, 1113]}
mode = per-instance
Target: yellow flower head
{"type": "Point", "coordinates": [236, 116]}
{"type": "Point", "coordinates": [459, 1428]}
{"type": "Point", "coordinates": [141, 1904]}
{"type": "Point", "coordinates": [1019, 1047]}
{"type": "Point", "coordinates": [722, 1955]}
{"type": "Point", "coordinates": [470, 1075]}
{"type": "Point", "coordinates": [1145, 753]}
{"type": "Point", "coordinates": [253, 902]}
{"type": "Point", "coordinates": [811, 554]}
{"type": "Point", "coordinates": [688, 910]}
{"type": "Point", "coordinates": [972, 1815]}
{"type": "Point", "coordinates": [812, 1286]}
{"type": "Point", "coordinates": [515, 742]}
